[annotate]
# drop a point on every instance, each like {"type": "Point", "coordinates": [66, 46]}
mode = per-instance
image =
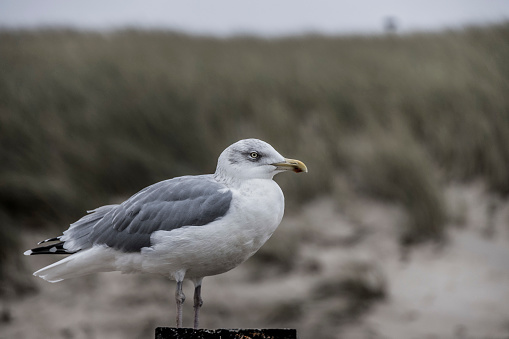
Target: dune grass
{"type": "Point", "coordinates": [88, 119]}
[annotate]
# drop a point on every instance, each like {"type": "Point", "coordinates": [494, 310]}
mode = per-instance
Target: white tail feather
{"type": "Point", "coordinates": [96, 259]}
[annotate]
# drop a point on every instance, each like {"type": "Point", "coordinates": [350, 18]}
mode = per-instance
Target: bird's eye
{"type": "Point", "coordinates": [253, 155]}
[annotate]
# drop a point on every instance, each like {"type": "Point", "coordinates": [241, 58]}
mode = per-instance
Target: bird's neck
{"type": "Point", "coordinates": [228, 180]}
{"type": "Point", "coordinates": [233, 181]}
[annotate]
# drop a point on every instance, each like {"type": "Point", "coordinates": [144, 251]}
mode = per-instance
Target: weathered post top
{"type": "Point", "coordinates": [189, 333]}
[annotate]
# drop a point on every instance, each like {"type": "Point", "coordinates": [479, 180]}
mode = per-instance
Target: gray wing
{"type": "Point", "coordinates": [167, 205]}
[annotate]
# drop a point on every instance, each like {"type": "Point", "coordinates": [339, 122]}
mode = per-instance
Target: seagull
{"type": "Point", "coordinates": [187, 227]}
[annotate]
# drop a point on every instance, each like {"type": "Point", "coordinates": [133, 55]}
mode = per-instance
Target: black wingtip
{"type": "Point", "coordinates": [50, 249]}
{"type": "Point", "coordinates": [48, 240]}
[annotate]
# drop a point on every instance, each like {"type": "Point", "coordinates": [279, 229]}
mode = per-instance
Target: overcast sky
{"type": "Point", "coordinates": [260, 17]}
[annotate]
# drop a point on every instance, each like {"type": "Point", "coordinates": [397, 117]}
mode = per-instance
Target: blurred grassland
{"type": "Point", "coordinates": [88, 119]}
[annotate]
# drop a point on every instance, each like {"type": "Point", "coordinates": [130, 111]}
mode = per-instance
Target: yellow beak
{"type": "Point", "coordinates": [291, 165]}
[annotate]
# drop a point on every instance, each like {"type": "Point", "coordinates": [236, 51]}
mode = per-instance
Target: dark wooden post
{"type": "Point", "coordinates": [189, 333]}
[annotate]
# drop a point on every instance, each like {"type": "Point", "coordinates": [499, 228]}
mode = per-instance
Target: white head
{"type": "Point", "coordinates": [254, 159]}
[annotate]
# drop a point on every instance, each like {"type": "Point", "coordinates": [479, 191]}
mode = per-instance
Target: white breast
{"type": "Point", "coordinates": [256, 210]}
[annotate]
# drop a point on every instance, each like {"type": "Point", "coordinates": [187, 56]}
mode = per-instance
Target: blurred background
{"type": "Point", "coordinates": [399, 109]}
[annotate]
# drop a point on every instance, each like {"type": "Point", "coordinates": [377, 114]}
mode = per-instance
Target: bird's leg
{"type": "Point", "coordinates": [179, 298]}
{"type": "Point", "coordinates": [198, 302]}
